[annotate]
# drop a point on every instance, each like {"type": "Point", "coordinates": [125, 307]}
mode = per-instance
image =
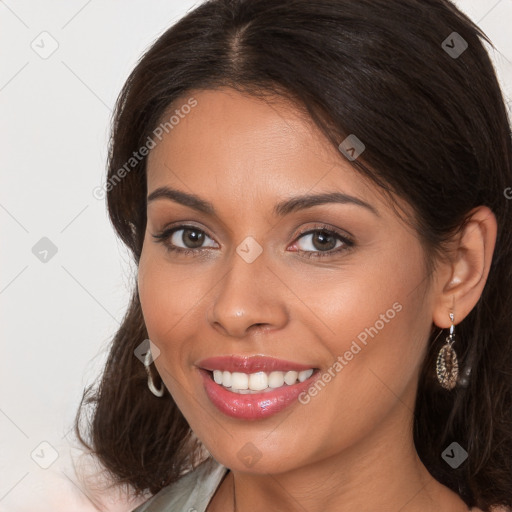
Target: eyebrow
{"type": "Point", "coordinates": [281, 209]}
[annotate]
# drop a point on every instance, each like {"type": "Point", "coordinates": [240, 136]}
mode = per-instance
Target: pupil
{"type": "Point", "coordinates": [326, 241]}
{"type": "Point", "coordinates": [192, 238]}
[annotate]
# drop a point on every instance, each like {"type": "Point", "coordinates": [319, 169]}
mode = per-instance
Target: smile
{"type": "Point", "coordinates": [251, 388]}
{"type": "Point", "coordinates": [238, 382]}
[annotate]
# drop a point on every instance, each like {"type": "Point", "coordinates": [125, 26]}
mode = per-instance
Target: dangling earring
{"type": "Point", "coordinates": [151, 384]}
{"type": "Point", "coordinates": [447, 366]}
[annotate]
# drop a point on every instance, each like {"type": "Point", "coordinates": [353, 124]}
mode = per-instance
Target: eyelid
{"type": "Point", "coordinates": [164, 235]}
{"type": "Point", "coordinates": [176, 226]}
{"type": "Point", "coordinates": [345, 235]}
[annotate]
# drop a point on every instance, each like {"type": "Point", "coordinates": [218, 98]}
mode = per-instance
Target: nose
{"type": "Point", "coordinates": [248, 299]}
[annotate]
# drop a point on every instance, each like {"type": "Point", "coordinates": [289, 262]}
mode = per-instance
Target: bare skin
{"type": "Point", "coordinates": [351, 447]}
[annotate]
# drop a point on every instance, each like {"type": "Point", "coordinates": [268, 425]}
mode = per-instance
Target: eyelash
{"type": "Point", "coordinates": [164, 236]}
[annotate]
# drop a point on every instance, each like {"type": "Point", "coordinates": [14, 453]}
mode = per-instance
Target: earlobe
{"type": "Point", "coordinates": [466, 273]}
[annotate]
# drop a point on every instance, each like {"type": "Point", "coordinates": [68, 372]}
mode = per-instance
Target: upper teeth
{"type": "Point", "coordinates": [260, 381]}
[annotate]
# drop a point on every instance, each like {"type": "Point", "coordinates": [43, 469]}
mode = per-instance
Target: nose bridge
{"type": "Point", "coordinates": [244, 297]}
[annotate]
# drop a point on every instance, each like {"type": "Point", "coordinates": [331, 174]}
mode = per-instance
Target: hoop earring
{"type": "Point", "coordinates": [151, 385]}
{"type": "Point", "coordinates": [447, 366]}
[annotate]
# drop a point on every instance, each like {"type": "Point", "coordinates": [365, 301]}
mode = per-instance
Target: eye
{"type": "Point", "coordinates": [185, 239]}
{"type": "Point", "coordinates": [321, 242]}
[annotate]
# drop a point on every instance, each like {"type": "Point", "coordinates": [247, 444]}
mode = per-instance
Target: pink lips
{"type": "Point", "coordinates": [257, 405]}
{"type": "Point", "coordinates": [251, 364]}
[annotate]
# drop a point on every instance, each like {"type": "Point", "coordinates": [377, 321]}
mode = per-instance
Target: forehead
{"type": "Point", "coordinates": [233, 145]}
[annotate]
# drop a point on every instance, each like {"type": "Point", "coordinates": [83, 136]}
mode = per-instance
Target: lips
{"type": "Point", "coordinates": [258, 405]}
{"type": "Point", "coordinates": [250, 364]}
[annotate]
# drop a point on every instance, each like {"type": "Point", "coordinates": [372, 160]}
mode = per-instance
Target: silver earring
{"type": "Point", "coordinates": [151, 385]}
{"type": "Point", "coordinates": [447, 366]}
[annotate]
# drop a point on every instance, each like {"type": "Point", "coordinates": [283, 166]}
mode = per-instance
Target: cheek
{"type": "Point", "coordinates": [169, 301]}
{"type": "Point", "coordinates": [378, 320]}
{"type": "Point", "coordinates": [168, 295]}
{"type": "Point", "coordinates": [364, 298]}
{"type": "Point", "coordinates": [173, 299]}
{"type": "Point", "coordinates": [375, 315]}
{"type": "Point", "coordinates": [373, 324]}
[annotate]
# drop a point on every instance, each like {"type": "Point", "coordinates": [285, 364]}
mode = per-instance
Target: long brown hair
{"type": "Point", "coordinates": [436, 133]}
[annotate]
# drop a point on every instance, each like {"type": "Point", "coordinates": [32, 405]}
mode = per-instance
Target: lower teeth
{"type": "Point", "coordinates": [249, 391]}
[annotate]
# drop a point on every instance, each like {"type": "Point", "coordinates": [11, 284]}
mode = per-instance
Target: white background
{"type": "Point", "coordinates": [58, 317]}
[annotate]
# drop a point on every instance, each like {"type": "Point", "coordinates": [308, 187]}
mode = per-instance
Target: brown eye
{"type": "Point", "coordinates": [189, 237]}
{"type": "Point", "coordinates": [185, 238]}
{"type": "Point", "coordinates": [319, 240]}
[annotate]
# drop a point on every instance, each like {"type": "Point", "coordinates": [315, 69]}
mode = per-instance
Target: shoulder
{"type": "Point", "coordinates": [192, 491]}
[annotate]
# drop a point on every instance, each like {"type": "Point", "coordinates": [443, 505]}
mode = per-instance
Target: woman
{"type": "Point", "coordinates": [314, 193]}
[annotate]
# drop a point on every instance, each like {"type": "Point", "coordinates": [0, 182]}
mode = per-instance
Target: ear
{"type": "Point", "coordinates": [461, 279]}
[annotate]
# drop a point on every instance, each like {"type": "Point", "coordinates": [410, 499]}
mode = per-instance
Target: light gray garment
{"type": "Point", "coordinates": [191, 493]}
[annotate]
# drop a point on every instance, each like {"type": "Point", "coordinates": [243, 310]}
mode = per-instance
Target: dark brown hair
{"type": "Point", "coordinates": [437, 135]}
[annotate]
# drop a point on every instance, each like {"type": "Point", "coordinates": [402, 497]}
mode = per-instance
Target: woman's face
{"type": "Point", "coordinates": [336, 285]}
